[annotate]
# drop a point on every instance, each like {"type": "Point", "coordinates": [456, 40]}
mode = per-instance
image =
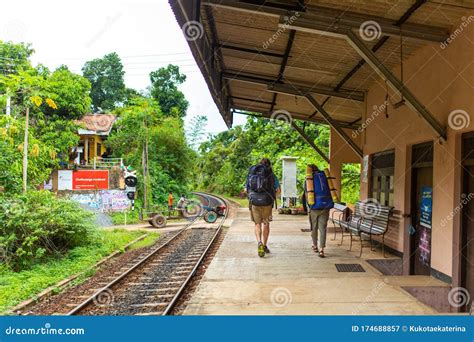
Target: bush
{"type": "Point", "coordinates": [37, 225]}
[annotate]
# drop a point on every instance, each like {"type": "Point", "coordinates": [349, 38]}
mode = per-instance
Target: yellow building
{"type": "Point", "coordinates": [93, 131]}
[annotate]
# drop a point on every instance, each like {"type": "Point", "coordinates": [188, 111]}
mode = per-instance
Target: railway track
{"type": "Point", "coordinates": [155, 282]}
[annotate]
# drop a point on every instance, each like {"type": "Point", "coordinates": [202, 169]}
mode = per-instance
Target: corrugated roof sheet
{"type": "Point", "coordinates": [99, 123]}
{"type": "Point", "coordinates": [314, 60]}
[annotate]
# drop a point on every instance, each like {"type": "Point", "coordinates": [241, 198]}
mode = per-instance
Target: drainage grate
{"type": "Point", "coordinates": [305, 230]}
{"type": "Point", "coordinates": [349, 268]}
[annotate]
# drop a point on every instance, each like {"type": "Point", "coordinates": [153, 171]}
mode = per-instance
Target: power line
{"type": "Point", "coordinates": [131, 56]}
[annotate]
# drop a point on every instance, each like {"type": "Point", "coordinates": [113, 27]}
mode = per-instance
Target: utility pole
{"type": "Point", "coordinates": [25, 151]}
{"type": "Point", "coordinates": [145, 167]}
{"type": "Point", "coordinates": [8, 109]}
{"type": "Point", "coordinates": [144, 164]}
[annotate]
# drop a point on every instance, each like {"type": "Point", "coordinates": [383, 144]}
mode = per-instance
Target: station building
{"type": "Point", "coordinates": [393, 79]}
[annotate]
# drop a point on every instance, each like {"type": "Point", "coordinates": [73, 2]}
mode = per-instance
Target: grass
{"type": "Point", "coordinates": [126, 217]}
{"type": "Point", "coordinates": [244, 202]}
{"type": "Point", "coordinates": [18, 286]}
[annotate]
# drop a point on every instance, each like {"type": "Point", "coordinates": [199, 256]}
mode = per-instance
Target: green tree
{"type": "Point", "coordinates": [41, 156]}
{"type": "Point", "coordinates": [350, 183]}
{"type": "Point", "coordinates": [54, 101]}
{"type": "Point", "coordinates": [169, 156]}
{"type": "Point", "coordinates": [226, 157]}
{"type": "Point", "coordinates": [70, 92]}
{"type": "Point", "coordinates": [164, 89]}
{"type": "Point", "coordinates": [132, 95]}
{"type": "Point", "coordinates": [14, 57]}
{"type": "Point", "coordinates": [52, 125]}
{"type": "Point", "coordinates": [196, 130]}
{"type": "Point", "coordinates": [106, 76]}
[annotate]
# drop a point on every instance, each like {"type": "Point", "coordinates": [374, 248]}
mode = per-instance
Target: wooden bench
{"type": "Point", "coordinates": [374, 221]}
{"type": "Point", "coordinates": [340, 212]}
{"type": "Point", "coordinates": [351, 226]}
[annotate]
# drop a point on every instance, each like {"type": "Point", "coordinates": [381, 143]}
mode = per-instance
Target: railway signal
{"type": "Point", "coordinates": [131, 185]}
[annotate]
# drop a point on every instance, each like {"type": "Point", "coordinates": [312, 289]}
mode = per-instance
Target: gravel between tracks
{"type": "Point", "coordinates": [186, 296]}
{"type": "Point", "coordinates": [63, 302]}
{"type": "Point", "coordinates": [156, 281]}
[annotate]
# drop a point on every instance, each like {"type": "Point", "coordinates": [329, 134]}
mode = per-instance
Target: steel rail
{"type": "Point", "coordinates": [180, 291]}
{"type": "Point", "coordinates": [128, 271]}
{"type": "Point", "coordinates": [141, 262]}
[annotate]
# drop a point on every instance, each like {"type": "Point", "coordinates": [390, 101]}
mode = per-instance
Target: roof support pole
{"type": "Point", "coordinates": [334, 124]}
{"type": "Point", "coordinates": [242, 109]}
{"type": "Point", "coordinates": [273, 86]}
{"type": "Point", "coordinates": [309, 141]}
{"type": "Point", "coordinates": [281, 73]}
{"type": "Point", "coordinates": [394, 82]}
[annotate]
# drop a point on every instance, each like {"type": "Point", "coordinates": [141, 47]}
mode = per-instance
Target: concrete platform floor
{"type": "Point", "coordinates": [293, 280]}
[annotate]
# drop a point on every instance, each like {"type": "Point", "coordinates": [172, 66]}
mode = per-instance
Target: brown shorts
{"type": "Point", "coordinates": [262, 214]}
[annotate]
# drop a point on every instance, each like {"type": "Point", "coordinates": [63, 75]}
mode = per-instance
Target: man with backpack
{"type": "Point", "coordinates": [319, 201]}
{"type": "Point", "coordinates": [262, 187]}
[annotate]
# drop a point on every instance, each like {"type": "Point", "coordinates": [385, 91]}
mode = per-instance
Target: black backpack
{"type": "Point", "coordinates": [260, 185]}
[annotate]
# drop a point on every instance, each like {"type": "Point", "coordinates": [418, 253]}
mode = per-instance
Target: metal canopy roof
{"type": "Point", "coordinates": [303, 56]}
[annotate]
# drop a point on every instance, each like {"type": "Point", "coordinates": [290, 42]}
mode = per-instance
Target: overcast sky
{"type": "Point", "coordinates": [144, 33]}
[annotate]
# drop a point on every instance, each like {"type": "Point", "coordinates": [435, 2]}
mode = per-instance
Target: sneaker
{"type": "Point", "coordinates": [267, 251]}
{"type": "Point", "coordinates": [261, 250]}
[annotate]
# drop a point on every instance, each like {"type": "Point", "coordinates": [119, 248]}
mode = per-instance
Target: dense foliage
{"type": "Point", "coordinates": [225, 158]}
{"type": "Point", "coordinates": [350, 183]}
{"type": "Point", "coordinates": [164, 89]}
{"type": "Point", "coordinates": [106, 75]}
{"type": "Point", "coordinates": [169, 156]}
{"type": "Point", "coordinates": [37, 224]}
{"type": "Point", "coordinates": [41, 156]}
{"type": "Point", "coordinates": [54, 101]}
{"type": "Point", "coordinates": [14, 57]}
{"type": "Point", "coordinates": [57, 99]}
{"type": "Point", "coordinates": [16, 287]}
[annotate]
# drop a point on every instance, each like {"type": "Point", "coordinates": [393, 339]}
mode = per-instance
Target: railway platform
{"type": "Point", "coordinates": [293, 280]}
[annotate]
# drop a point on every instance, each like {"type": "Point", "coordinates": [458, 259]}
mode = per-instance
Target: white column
{"type": "Point", "coordinates": [86, 150]}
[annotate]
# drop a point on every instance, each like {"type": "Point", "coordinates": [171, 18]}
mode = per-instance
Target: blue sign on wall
{"type": "Point", "coordinates": [426, 206]}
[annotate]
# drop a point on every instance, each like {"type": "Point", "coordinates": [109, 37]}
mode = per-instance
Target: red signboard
{"type": "Point", "coordinates": [90, 180]}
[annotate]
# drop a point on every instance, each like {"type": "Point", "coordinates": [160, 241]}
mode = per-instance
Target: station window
{"type": "Point", "coordinates": [382, 182]}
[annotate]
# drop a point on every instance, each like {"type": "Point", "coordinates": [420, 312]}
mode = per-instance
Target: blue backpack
{"type": "Point", "coordinates": [322, 192]}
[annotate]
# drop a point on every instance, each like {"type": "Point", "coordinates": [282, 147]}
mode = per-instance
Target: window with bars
{"type": "Point", "coordinates": [382, 181]}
